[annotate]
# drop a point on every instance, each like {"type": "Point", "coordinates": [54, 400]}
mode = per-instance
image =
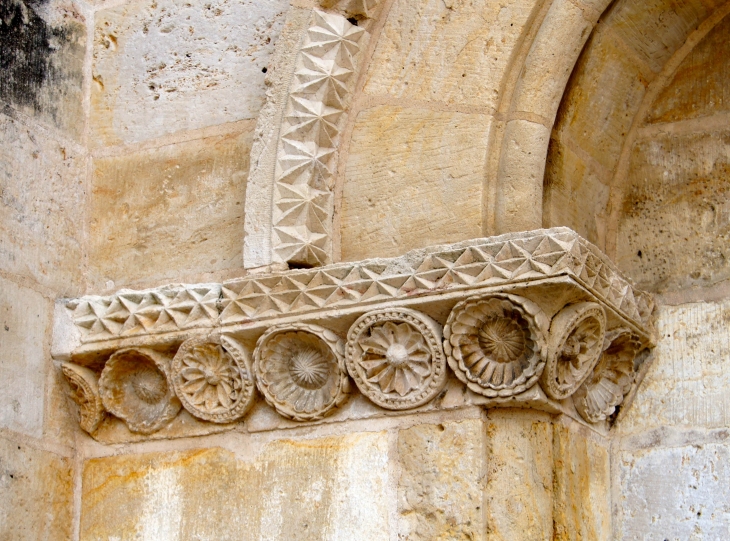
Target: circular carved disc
{"type": "Point", "coordinates": [85, 392]}
{"type": "Point", "coordinates": [300, 370]}
{"type": "Point", "coordinates": [396, 358]}
{"type": "Point", "coordinates": [495, 344]}
{"type": "Point", "coordinates": [574, 347]}
{"type": "Point", "coordinates": [213, 379]}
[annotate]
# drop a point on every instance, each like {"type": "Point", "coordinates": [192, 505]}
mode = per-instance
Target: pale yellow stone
{"type": "Point", "coordinates": [414, 178]}
{"type": "Point", "coordinates": [442, 478]}
{"type": "Point", "coordinates": [582, 486]}
{"type": "Point", "coordinates": [329, 489]}
{"type": "Point", "coordinates": [36, 494]}
{"type": "Point", "coordinates": [167, 211]}
{"type": "Point", "coordinates": [519, 477]}
{"type": "Point", "coordinates": [454, 51]}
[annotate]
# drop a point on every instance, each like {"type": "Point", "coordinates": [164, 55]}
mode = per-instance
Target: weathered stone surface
{"type": "Point", "coordinates": [675, 222]}
{"type": "Point", "coordinates": [330, 489]}
{"type": "Point", "coordinates": [582, 486]}
{"type": "Point", "coordinates": [400, 156]}
{"type": "Point", "coordinates": [171, 65]}
{"type": "Point", "coordinates": [43, 47]}
{"type": "Point", "coordinates": [170, 210]}
{"type": "Point", "coordinates": [24, 322]}
{"type": "Point", "coordinates": [37, 494]}
{"type": "Point", "coordinates": [677, 493]}
{"type": "Point", "coordinates": [41, 207]}
{"type": "Point", "coordinates": [519, 477]}
{"type": "Point", "coordinates": [686, 385]}
{"type": "Point", "coordinates": [455, 51]}
{"type": "Point", "coordinates": [701, 84]}
{"type": "Point", "coordinates": [441, 485]}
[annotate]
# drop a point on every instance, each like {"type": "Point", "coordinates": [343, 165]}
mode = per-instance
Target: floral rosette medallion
{"type": "Point", "coordinates": [396, 358]}
{"type": "Point", "coordinates": [574, 347]}
{"type": "Point", "coordinates": [300, 370]}
{"type": "Point", "coordinates": [212, 377]}
{"type": "Point", "coordinates": [84, 391]}
{"type": "Point", "coordinates": [495, 344]}
{"type": "Point", "coordinates": [604, 390]}
{"type": "Point", "coordinates": [134, 386]}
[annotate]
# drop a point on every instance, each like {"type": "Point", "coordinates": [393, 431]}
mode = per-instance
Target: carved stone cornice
{"type": "Point", "coordinates": [537, 319]}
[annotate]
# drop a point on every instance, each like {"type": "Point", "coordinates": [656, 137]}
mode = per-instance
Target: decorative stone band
{"type": "Point", "coordinates": [537, 319]}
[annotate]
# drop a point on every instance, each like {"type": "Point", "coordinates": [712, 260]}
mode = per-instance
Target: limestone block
{"type": "Point", "coordinates": [582, 486]}
{"type": "Point", "coordinates": [41, 207]}
{"type": "Point", "coordinates": [43, 46]}
{"type": "Point", "coordinates": [674, 229]}
{"type": "Point", "coordinates": [686, 385]}
{"type": "Point", "coordinates": [519, 477]}
{"type": "Point", "coordinates": [454, 51]}
{"type": "Point", "coordinates": [172, 65]}
{"type": "Point", "coordinates": [24, 322]}
{"type": "Point", "coordinates": [167, 211]}
{"type": "Point", "coordinates": [701, 84]}
{"type": "Point", "coordinates": [326, 489]}
{"type": "Point", "coordinates": [413, 178]}
{"type": "Point", "coordinates": [441, 484]}
{"type": "Point", "coordinates": [677, 493]}
{"type": "Point", "coordinates": [37, 494]}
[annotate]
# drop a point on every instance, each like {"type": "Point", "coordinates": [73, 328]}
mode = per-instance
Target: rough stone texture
{"type": "Point", "coordinates": [675, 223]}
{"type": "Point", "coordinates": [41, 207]}
{"type": "Point", "coordinates": [676, 494]}
{"type": "Point", "coordinates": [326, 489]}
{"type": "Point", "coordinates": [24, 322]}
{"type": "Point", "coordinates": [43, 46]}
{"type": "Point", "coordinates": [582, 486]}
{"type": "Point", "coordinates": [701, 84]}
{"type": "Point", "coordinates": [441, 485]}
{"type": "Point", "coordinates": [167, 66]}
{"type": "Point", "coordinates": [402, 156]}
{"type": "Point", "coordinates": [170, 210]}
{"type": "Point", "coordinates": [519, 478]}
{"type": "Point", "coordinates": [686, 385]}
{"type": "Point", "coordinates": [37, 494]}
{"type": "Point", "coordinates": [455, 51]}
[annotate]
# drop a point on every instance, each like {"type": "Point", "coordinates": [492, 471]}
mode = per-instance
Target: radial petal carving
{"type": "Point", "coordinates": [134, 386]}
{"type": "Point", "coordinates": [495, 344]}
{"type": "Point", "coordinates": [300, 370]}
{"type": "Point", "coordinates": [604, 390]}
{"type": "Point", "coordinates": [574, 347]}
{"type": "Point", "coordinates": [396, 358]}
{"type": "Point", "coordinates": [84, 391]}
{"type": "Point", "coordinates": [213, 378]}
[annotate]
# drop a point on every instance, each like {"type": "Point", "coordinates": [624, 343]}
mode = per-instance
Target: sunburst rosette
{"type": "Point", "coordinates": [396, 358]}
{"type": "Point", "coordinates": [300, 370]}
{"type": "Point", "coordinates": [212, 377]}
{"type": "Point", "coordinates": [575, 344]}
{"type": "Point", "coordinates": [495, 344]}
{"type": "Point", "coordinates": [84, 391]}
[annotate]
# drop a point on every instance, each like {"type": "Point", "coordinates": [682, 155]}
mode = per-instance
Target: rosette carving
{"type": "Point", "coordinates": [396, 358]}
{"type": "Point", "coordinates": [84, 391]}
{"type": "Point", "coordinates": [134, 386]}
{"type": "Point", "coordinates": [300, 370]}
{"type": "Point", "coordinates": [213, 379]}
{"type": "Point", "coordinates": [604, 390]}
{"type": "Point", "coordinates": [574, 347]}
{"type": "Point", "coordinates": [495, 344]}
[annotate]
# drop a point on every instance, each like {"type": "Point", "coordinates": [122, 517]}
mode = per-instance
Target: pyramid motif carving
{"type": "Point", "coordinates": [306, 158]}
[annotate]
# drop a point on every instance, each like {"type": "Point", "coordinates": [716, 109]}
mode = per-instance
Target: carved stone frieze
{"type": "Point", "coordinates": [212, 376]}
{"type": "Point", "coordinates": [305, 168]}
{"type": "Point", "coordinates": [135, 387]}
{"type": "Point", "coordinates": [611, 380]}
{"type": "Point", "coordinates": [300, 370]}
{"type": "Point", "coordinates": [540, 319]}
{"type": "Point", "coordinates": [84, 391]}
{"type": "Point", "coordinates": [396, 358]}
